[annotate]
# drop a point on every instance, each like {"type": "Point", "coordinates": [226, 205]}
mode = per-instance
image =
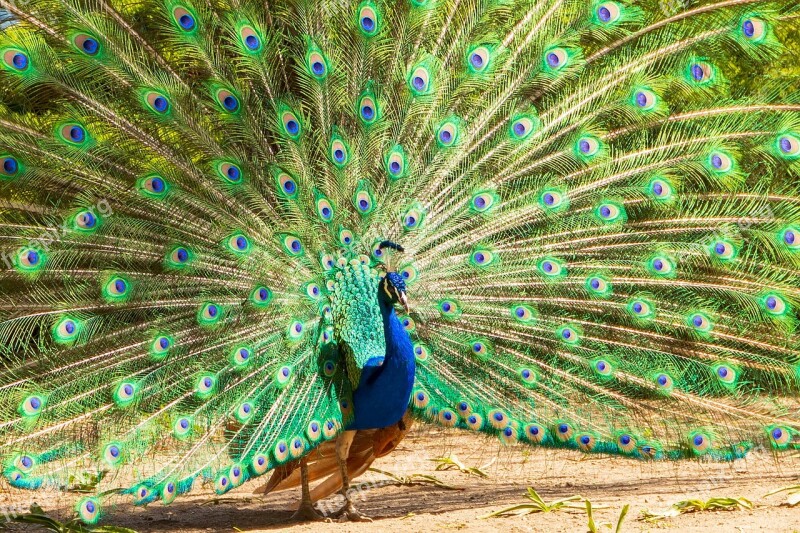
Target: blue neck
{"type": "Point", "coordinates": [381, 398]}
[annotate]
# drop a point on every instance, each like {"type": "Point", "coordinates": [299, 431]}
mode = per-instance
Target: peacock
{"type": "Point", "coordinates": [241, 237]}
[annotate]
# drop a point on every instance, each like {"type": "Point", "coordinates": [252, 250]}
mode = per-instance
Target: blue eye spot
{"type": "Point", "coordinates": [318, 68]}
{"type": "Point", "coordinates": [477, 60]}
{"type": "Point", "coordinates": [601, 366]}
{"type": "Point", "coordinates": [184, 423]}
{"type": "Point", "coordinates": [20, 61]}
{"type": "Point", "coordinates": [480, 202]}
{"type": "Point", "coordinates": [777, 433]}
{"type": "Point", "coordinates": [605, 211]}
{"type": "Point", "coordinates": [292, 127]}
{"type": "Point", "coordinates": [10, 166]}
{"type": "Point", "coordinates": [595, 283]}
{"type": "Point", "coordinates": [367, 112]}
{"type": "Point", "coordinates": [498, 417]}
{"type": "Point", "coordinates": [120, 285]}
{"type": "Point", "coordinates": [160, 104]}
{"type": "Point", "coordinates": [662, 380]}
{"type": "Point", "coordinates": [585, 440]}
{"type": "Point", "coordinates": [234, 173]}
{"type": "Point", "coordinates": [566, 334]}
{"type": "Point", "coordinates": [658, 264]}
{"type": "Point", "coordinates": [368, 24]}
{"type": "Point", "coordinates": [697, 72]}
{"type": "Point", "coordinates": [722, 371]}
{"type": "Point", "coordinates": [33, 258]}
{"type": "Point", "coordinates": [338, 155]}
{"type": "Point", "coordinates": [363, 204]}
{"type": "Point", "coordinates": [230, 103]}
{"type": "Point", "coordinates": [246, 408]}
{"type": "Point", "coordinates": [519, 128]}
{"type": "Point", "coordinates": [212, 311]}
{"type": "Point", "coordinates": [326, 212]}
{"type": "Point", "coordinates": [163, 342]}
{"type": "Point", "coordinates": [90, 46]}
{"type": "Point", "coordinates": [224, 481]}
{"type": "Point", "coordinates": [157, 185]}
{"type": "Point", "coordinates": [716, 160]}
{"type": "Point", "coordinates": [698, 440]}
{"type": "Point", "coordinates": [553, 60]}
{"type": "Point", "coordinates": [252, 42]}
{"type": "Point", "coordinates": [786, 144]}
{"type": "Point", "coordinates": [748, 28]}
{"type": "Point", "coordinates": [658, 189]}
{"type": "Point", "coordinates": [418, 83]}
{"type": "Point", "coordinates": [182, 255]}
{"type": "Point", "coordinates": [394, 167]}
{"type": "Point", "coordinates": [697, 320]}
{"type": "Point", "coordinates": [76, 133]}
{"type": "Point", "coordinates": [445, 136]}
{"type": "Point", "coordinates": [563, 428]}
{"type": "Point", "coordinates": [584, 146]}
{"type": "Point", "coordinates": [604, 14]}
{"type": "Point", "coordinates": [772, 302]}
{"type": "Point", "coordinates": [637, 307]}
{"type": "Point", "coordinates": [128, 389]}
{"type": "Point", "coordinates": [625, 440]}
{"type": "Point", "coordinates": [298, 328]}
{"type": "Point", "coordinates": [789, 237]}
{"type": "Point", "coordinates": [186, 22]}
{"type": "Point", "coordinates": [69, 327]}
{"type": "Point", "coordinates": [241, 243]}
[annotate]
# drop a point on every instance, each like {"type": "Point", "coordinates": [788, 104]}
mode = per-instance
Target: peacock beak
{"type": "Point", "coordinates": [404, 301]}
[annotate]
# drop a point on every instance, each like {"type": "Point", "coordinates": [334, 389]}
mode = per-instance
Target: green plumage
{"type": "Point", "coordinates": [599, 206]}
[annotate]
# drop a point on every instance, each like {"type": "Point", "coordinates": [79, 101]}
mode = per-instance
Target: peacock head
{"type": "Point", "coordinates": [392, 290]}
{"type": "Point", "coordinates": [392, 287]}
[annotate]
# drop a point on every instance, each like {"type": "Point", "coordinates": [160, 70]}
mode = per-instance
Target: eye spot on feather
{"type": "Point", "coordinates": [788, 146]}
{"type": "Point", "coordinates": [31, 406]}
{"type": "Point", "coordinates": [86, 44]}
{"type": "Point", "coordinates": [498, 419]}
{"type": "Point", "coordinates": [447, 418]}
{"type": "Point", "coordinates": [753, 29]}
{"type": "Point", "coordinates": [250, 39]}
{"type": "Point", "coordinates": [260, 464]}
{"type": "Point", "coordinates": [368, 19]}
{"type": "Point", "coordinates": [564, 431]}
{"type": "Point", "coordinates": [556, 59]}
{"type": "Point", "coordinates": [700, 72]}
{"type": "Point", "coordinates": [700, 443]}
{"type": "Point", "coordinates": [88, 510]}
{"type": "Point", "coordinates": [16, 60]}
{"type": "Point", "coordinates": [586, 442]}
{"type": "Point", "coordinates": [421, 399]}
{"type": "Point", "coordinates": [700, 322]}
{"type": "Point", "coordinates": [535, 433]}
{"type": "Point", "coordinates": [608, 13]}
{"type": "Point", "coordinates": [780, 437]}
{"type": "Point", "coordinates": [474, 422]}
{"type": "Point", "coordinates": [184, 19]}
{"type": "Point", "coordinates": [479, 59]}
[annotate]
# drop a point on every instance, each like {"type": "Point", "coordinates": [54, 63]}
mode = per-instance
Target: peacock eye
{"type": "Point", "coordinates": [720, 162]}
{"type": "Point", "coordinates": [31, 406]}
{"type": "Point", "coordinates": [86, 221]}
{"type": "Point", "coordinates": [661, 265]}
{"type": "Point", "coordinates": [86, 44]}
{"type": "Point", "coordinates": [209, 314]}
{"type": "Point", "coordinates": [250, 39]}
{"type": "Point", "coordinates": [157, 102]}
{"type": "Point", "coordinates": [16, 59]}
{"type": "Point", "coordinates": [645, 99]}
{"type": "Point", "coordinates": [420, 80]}
{"type": "Point", "coordinates": [608, 12]}
{"type": "Point", "coordinates": [701, 72]}
{"type": "Point", "coordinates": [368, 20]}
{"type": "Point", "coordinates": [125, 393]}
{"type": "Point", "coordinates": [478, 59]}
{"type": "Point", "coordinates": [291, 124]}
{"type": "Point", "coordinates": [185, 20]}
{"type": "Point", "coordinates": [556, 59]}
{"type": "Point", "coordinates": [238, 243]}
{"type": "Point", "coordinates": [521, 128]}
{"type": "Point", "coordinates": [447, 134]}
{"type": "Point", "coordinates": [700, 443]}
{"type": "Point", "coordinates": [204, 387]}
{"type": "Point", "coordinates": [230, 172]}
{"type": "Point", "coordinates": [588, 146]}
{"type": "Point", "coordinates": [789, 146]}
{"type": "Point", "coordinates": [568, 334]}
{"type": "Point", "coordinates": [753, 29]}
{"type": "Point", "coordinates": [700, 322]}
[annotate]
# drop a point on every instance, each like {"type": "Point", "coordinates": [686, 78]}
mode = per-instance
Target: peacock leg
{"type": "Point", "coordinates": [306, 511]}
{"type": "Point", "coordinates": [348, 512]}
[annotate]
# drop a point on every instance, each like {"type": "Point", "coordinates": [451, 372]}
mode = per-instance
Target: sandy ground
{"type": "Point", "coordinates": [608, 482]}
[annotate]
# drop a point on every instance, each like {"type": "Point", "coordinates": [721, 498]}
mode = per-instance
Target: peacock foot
{"type": "Point", "coordinates": [307, 513]}
{"type": "Point", "coordinates": [349, 513]}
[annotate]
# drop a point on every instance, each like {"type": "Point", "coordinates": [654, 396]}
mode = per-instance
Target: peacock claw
{"type": "Point", "coordinates": [307, 513]}
{"type": "Point", "coordinates": [349, 513]}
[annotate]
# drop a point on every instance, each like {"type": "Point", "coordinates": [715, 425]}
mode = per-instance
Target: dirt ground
{"type": "Point", "coordinates": [609, 483]}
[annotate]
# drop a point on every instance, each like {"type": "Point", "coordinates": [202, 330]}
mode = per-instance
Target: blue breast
{"type": "Point", "coordinates": [381, 398]}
